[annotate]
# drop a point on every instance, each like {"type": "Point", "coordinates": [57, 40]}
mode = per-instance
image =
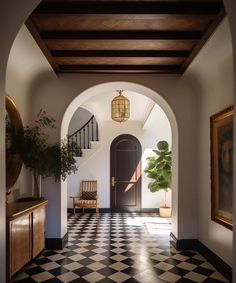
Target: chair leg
{"type": "Point", "coordinates": [74, 210]}
{"type": "Point", "coordinates": [83, 210]}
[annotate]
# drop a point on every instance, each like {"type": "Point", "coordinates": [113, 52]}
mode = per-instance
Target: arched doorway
{"type": "Point", "coordinates": [99, 90]}
{"type": "Point", "coordinates": [125, 172]}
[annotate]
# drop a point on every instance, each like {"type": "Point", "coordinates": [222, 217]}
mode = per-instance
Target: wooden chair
{"type": "Point", "coordinates": [88, 197]}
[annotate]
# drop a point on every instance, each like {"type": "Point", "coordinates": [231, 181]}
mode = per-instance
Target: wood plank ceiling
{"type": "Point", "coordinates": [128, 36]}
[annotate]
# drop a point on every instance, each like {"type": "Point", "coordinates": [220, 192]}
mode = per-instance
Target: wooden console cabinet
{"type": "Point", "coordinates": [25, 233]}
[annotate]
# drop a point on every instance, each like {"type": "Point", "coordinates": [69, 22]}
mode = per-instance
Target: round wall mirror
{"type": "Point", "coordinates": [14, 137]}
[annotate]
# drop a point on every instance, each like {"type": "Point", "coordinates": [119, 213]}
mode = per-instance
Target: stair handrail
{"type": "Point", "coordinates": [81, 128]}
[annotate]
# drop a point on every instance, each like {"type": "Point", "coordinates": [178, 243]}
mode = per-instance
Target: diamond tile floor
{"type": "Point", "coordinates": [119, 247]}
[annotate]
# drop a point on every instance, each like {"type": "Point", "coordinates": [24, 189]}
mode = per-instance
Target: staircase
{"type": "Point", "coordinates": [88, 153]}
{"type": "Point", "coordinates": [86, 139]}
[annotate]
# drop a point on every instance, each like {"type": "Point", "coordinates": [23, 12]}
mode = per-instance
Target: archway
{"type": "Point", "coordinates": [109, 87]}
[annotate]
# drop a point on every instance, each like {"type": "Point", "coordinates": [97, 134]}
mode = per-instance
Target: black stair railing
{"type": "Point", "coordinates": [84, 135]}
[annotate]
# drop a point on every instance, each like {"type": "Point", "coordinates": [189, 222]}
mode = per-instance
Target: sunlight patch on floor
{"type": "Point", "coordinates": [153, 225]}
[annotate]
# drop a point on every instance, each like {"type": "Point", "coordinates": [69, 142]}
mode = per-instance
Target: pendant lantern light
{"type": "Point", "coordinates": [120, 108]}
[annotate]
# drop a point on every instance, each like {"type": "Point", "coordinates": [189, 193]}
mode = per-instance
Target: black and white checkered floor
{"type": "Point", "coordinates": [119, 247]}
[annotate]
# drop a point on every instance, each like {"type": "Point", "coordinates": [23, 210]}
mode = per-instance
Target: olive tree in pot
{"type": "Point", "coordinates": [44, 160]}
{"type": "Point", "coordinates": [159, 170]}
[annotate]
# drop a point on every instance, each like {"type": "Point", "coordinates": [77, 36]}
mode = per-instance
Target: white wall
{"type": "Point", "coordinates": [80, 117]}
{"type": "Point", "coordinates": [97, 167]}
{"type": "Point", "coordinates": [212, 72]}
{"type": "Point", "coordinates": [10, 22]}
{"type": "Point", "coordinates": [21, 68]}
{"type": "Point", "coordinates": [25, 66]}
{"type": "Point", "coordinates": [156, 128]}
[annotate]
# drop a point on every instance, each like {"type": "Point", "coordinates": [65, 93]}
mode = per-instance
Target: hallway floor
{"type": "Point", "coordinates": [119, 247]}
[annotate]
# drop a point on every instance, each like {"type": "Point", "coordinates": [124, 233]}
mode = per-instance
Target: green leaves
{"type": "Point", "coordinates": [159, 168]}
{"type": "Point", "coordinates": [163, 146]}
{"type": "Point", "coordinates": [55, 160]}
{"type": "Point", "coordinates": [45, 120]}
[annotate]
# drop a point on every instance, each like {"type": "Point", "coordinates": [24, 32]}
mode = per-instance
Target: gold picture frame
{"type": "Point", "coordinates": [222, 167]}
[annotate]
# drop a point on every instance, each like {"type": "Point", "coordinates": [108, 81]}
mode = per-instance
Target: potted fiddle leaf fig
{"type": "Point", "coordinates": [159, 171]}
{"type": "Point", "coordinates": [43, 159]}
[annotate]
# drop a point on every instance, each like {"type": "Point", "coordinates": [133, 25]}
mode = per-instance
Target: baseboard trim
{"type": "Point", "coordinates": [56, 243]}
{"type": "Point", "coordinates": [150, 210]}
{"type": "Point", "coordinates": [91, 210]}
{"type": "Point", "coordinates": [183, 244]}
{"type": "Point", "coordinates": [109, 210]}
{"type": "Point", "coordinates": [194, 244]}
{"type": "Point", "coordinates": [216, 261]}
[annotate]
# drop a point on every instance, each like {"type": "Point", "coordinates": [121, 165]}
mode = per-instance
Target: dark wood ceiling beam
{"type": "Point", "coordinates": [119, 53]}
{"type": "Point", "coordinates": [126, 7]}
{"type": "Point", "coordinates": [129, 36]}
{"type": "Point", "coordinates": [129, 61]}
{"type": "Point", "coordinates": [106, 45]}
{"type": "Point", "coordinates": [119, 71]}
{"type": "Point", "coordinates": [125, 35]}
{"type": "Point", "coordinates": [121, 22]}
{"type": "Point", "coordinates": [166, 68]}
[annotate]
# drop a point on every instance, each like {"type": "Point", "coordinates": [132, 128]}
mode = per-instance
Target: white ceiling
{"type": "Point", "coordinates": [140, 105]}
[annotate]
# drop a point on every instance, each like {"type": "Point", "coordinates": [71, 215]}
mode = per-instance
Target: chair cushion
{"type": "Point", "coordinates": [89, 195]}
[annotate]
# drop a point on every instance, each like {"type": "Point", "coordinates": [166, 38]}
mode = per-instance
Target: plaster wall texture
{"type": "Point", "coordinates": [212, 71]}
{"type": "Point", "coordinates": [22, 67]}
{"type": "Point", "coordinates": [10, 23]}
{"type": "Point", "coordinates": [80, 117]}
{"type": "Point", "coordinates": [25, 65]}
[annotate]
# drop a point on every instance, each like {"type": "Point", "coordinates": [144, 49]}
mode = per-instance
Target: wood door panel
{"type": "Point", "coordinates": [126, 165]}
{"type": "Point", "coordinates": [127, 194]}
{"type": "Point", "coordinates": [20, 243]}
{"type": "Point", "coordinates": [38, 230]}
{"type": "Point", "coordinates": [126, 171]}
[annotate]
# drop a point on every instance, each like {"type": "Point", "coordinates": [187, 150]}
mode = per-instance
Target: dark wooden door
{"type": "Point", "coordinates": [125, 174]}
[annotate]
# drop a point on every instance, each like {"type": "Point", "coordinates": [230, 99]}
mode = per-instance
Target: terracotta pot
{"type": "Point", "coordinates": [165, 211]}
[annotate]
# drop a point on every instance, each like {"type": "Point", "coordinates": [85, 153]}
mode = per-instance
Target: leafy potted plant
{"type": "Point", "coordinates": [56, 160]}
{"type": "Point", "coordinates": [159, 170]}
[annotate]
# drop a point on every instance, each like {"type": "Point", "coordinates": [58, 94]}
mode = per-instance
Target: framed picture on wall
{"type": "Point", "coordinates": [222, 167]}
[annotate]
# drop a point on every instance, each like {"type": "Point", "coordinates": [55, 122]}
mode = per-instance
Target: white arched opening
{"type": "Point", "coordinates": [159, 100]}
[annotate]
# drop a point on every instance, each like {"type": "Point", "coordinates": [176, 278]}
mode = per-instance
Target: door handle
{"type": "Point", "coordinates": [113, 181]}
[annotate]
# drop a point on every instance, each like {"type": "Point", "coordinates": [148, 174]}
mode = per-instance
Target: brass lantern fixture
{"type": "Point", "coordinates": [120, 108]}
